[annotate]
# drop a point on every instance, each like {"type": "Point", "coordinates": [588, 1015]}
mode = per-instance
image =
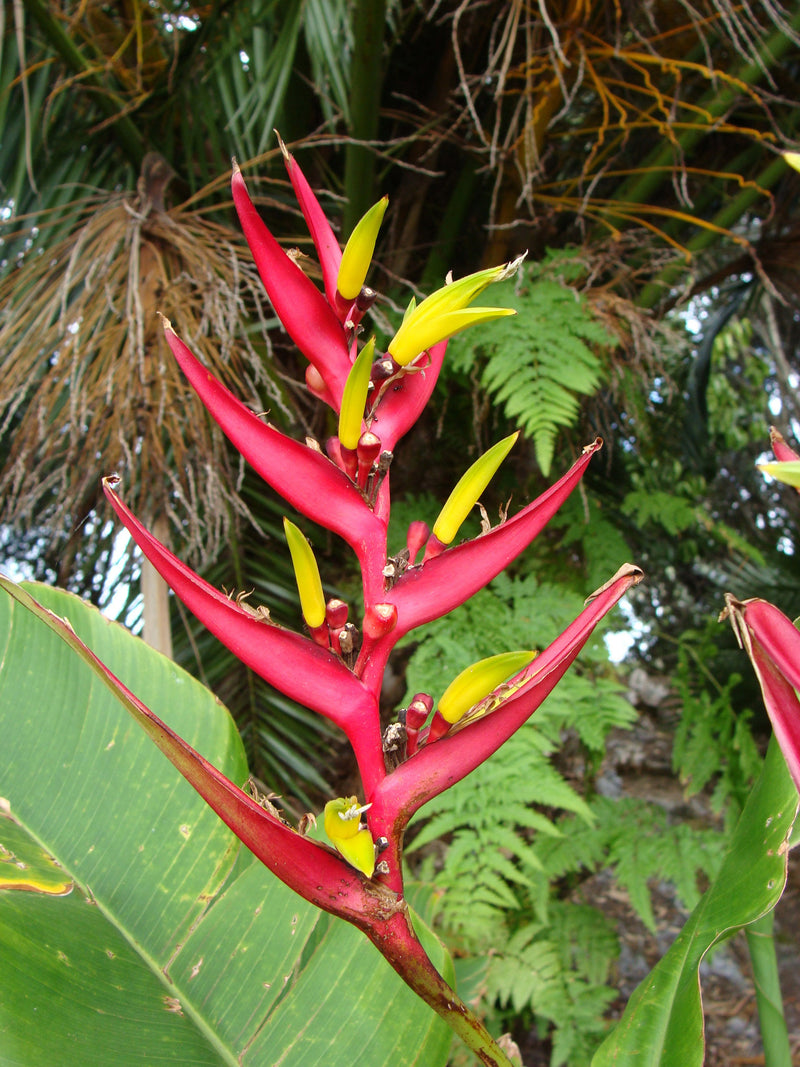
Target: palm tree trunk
{"type": "Point", "coordinates": [155, 597]}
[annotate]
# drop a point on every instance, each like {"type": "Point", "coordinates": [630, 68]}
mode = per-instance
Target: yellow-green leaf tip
{"type": "Point", "coordinates": [478, 681]}
{"type": "Point", "coordinates": [354, 396]}
{"type": "Point", "coordinates": [468, 491]}
{"type": "Point", "coordinates": [306, 572]}
{"type": "Point", "coordinates": [786, 471]}
{"type": "Point", "coordinates": [358, 251]}
{"type": "Point", "coordinates": [445, 312]}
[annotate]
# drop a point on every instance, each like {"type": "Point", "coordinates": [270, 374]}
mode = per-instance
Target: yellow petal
{"type": "Point", "coordinates": [359, 851]}
{"type": "Point", "coordinates": [343, 827]}
{"type": "Point", "coordinates": [417, 324]}
{"type": "Point", "coordinates": [478, 681]}
{"type": "Point", "coordinates": [306, 572]}
{"type": "Point", "coordinates": [786, 471]}
{"type": "Point", "coordinates": [354, 397]}
{"type": "Point", "coordinates": [422, 334]}
{"type": "Point", "coordinates": [468, 491]}
{"type": "Point", "coordinates": [342, 818]}
{"type": "Point", "coordinates": [358, 251]}
{"type": "Point", "coordinates": [793, 159]}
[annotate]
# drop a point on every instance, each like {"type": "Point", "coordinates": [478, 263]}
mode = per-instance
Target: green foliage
{"type": "Point", "coordinates": [635, 840]}
{"type": "Point", "coordinates": [714, 746]}
{"type": "Point", "coordinates": [489, 865]}
{"type": "Point", "coordinates": [591, 534]}
{"type": "Point", "coordinates": [192, 951]}
{"type": "Point", "coordinates": [538, 364]}
{"type": "Point", "coordinates": [673, 513]}
{"type": "Point", "coordinates": [512, 612]}
{"type": "Point", "coordinates": [561, 967]}
{"type": "Point", "coordinates": [737, 388]}
{"type": "Point", "coordinates": [663, 1023]}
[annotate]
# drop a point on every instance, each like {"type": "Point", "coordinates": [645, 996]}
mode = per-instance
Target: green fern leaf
{"type": "Point", "coordinates": [539, 364]}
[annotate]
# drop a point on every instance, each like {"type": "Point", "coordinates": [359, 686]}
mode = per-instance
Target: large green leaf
{"type": "Point", "coordinates": [662, 1025]}
{"type": "Point", "coordinates": [174, 946]}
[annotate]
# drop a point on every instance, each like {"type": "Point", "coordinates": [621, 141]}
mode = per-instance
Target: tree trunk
{"type": "Point", "coordinates": [155, 597]}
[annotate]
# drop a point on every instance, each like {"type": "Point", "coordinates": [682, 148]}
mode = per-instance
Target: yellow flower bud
{"type": "Point", "coordinates": [478, 681]}
{"type": "Point", "coordinates": [351, 840]}
{"type": "Point", "coordinates": [468, 491]}
{"type": "Point", "coordinates": [445, 312]}
{"type": "Point", "coordinates": [354, 397]}
{"type": "Point", "coordinates": [425, 334]}
{"type": "Point", "coordinates": [793, 159]}
{"type": "Point", "coordinates": [306, 572]}
{"type": "Point", "coordinates": [358, 251]}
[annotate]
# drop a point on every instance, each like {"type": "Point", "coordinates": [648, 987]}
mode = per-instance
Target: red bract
{"type": "Point", "coordinates": [304, 477]}
{"type": "Point", "coordinates": [348, 493]}
{"type": "Point", "coordinates": [429, 591]}
{"type": "Point", "coordinates": [437, 767]}
{"type": "Point", "coordinates": [305, 313]}
{"type": "Point", "coordinates": [773, 644]}
{"type": "Point", "coordinates": [330, 255]}
{"type": "Point", "coordinates": [783, 453]}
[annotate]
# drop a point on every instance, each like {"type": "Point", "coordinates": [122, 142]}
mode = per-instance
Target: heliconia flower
{"type": "Point", "coordinates": [469, 489]}
{"type": "Point", "coordinates": [418, 534]}
{"type": "Point", "coordinates": [476, 682]}
{"type": "Point", "coordinates": [772, 642]}
{"type": "Point", "coordinates": [445, 312]}
{"type": "Point", "coordinates": [354, 397]}
{"type": "Point", "coordinates": [358, 251]}
{"type": "Point", "coordinates": [347, 491]}
{"type": "Point", "coordinates": [368, 454]}
{"type": "Point", "coordinates": [306, 573]}
{"type": "Point", "coordinates": [305, 313]}
{"type": "Point", "coordinates": [379, 620]}
{"type": "Point", "coordinates": [352, 840]}
{"type": "Point", "coordinates": [336, 612]}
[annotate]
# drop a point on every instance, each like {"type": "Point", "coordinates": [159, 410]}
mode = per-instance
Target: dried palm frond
{"type": "Point", "coordinates": [89, 384]}
{"type": "Point", "coordinates": [626, 115]}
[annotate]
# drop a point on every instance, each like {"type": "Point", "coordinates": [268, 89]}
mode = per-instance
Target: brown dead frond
{"type": "Point", "coordinates": [605, 104]}
{"type": "Point", "coordinates": [89, 384]}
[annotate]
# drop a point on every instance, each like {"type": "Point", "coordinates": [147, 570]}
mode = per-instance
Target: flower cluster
{"type": "Point", "coordinates": [336, 669]}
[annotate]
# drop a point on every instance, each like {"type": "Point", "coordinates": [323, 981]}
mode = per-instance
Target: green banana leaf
{"type": "Point", "coordinates": [134, 927]}
{"type": "Point", "coordinates": [662, 1026]}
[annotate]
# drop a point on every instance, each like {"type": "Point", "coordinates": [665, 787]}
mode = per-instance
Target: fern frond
{"type": "Point", "coordinates": [540, 363]}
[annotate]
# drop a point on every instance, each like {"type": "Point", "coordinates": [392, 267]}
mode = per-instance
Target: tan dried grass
{"type": "Point", "coordinates": [89, 384]}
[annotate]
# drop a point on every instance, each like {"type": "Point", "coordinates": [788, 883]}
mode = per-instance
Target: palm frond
{"type": "Point", "coordinates": [90, 387]}
{"type": "Point", "coordinates": [583, 111]}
